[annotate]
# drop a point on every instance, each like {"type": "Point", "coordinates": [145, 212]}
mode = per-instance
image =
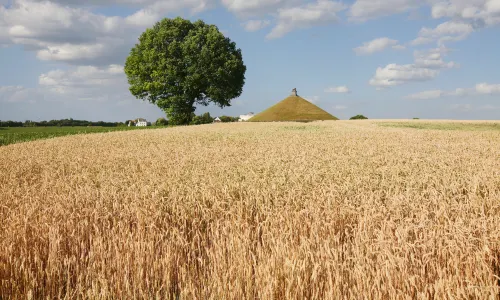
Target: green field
{"type": "Point", "coordinates": [11, 135]}
{"type": "Point", "coordinates": [445, 125]}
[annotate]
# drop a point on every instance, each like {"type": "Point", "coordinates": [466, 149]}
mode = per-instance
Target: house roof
{"type": "Point", "coordinates": [141, 120]}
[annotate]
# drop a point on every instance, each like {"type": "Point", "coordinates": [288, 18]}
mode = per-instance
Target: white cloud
{"type": "Point", "coordinates": [86, 82]}
{"type": "Point", "coordinates": [394, 74]}
{"type": "Point", "coordinates": [78, 36]}
{"type": "Point", "coordinates": [479, 89]}
{"type": "Point", "coordinates": [363, 10]}
{"type": "Point", "coordinates": [338, 89]}
{"type": "Point", "coordinates": [84, 92]}
{"type": "Point", "coordinates": [486, 12]}
{"type": "Point", "coordinates": [427, 66]}
{"type": "Point", "coordinates": [256, 7]}
{"type": "Point", "coordinates": [340, 107]}
{"type": "Point", "coordinates": [319, 13]}
{"type": "Point", "coordinates": [485, 88]}
{"type": "Point", "coordinates": [255, 25]}
{"type": "Point", "coordinates": [450, 31]}
{"type": "Point", "coordinates": [433, 59]}
{"type": "Point", "coordinates": [377, 45]}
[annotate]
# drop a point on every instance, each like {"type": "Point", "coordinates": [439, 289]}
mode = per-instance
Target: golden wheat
{"type": "Point", "coordinates": [324, 210]}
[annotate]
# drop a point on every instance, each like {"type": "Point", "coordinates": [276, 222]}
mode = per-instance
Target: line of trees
{"type": "Point", "coordinates": [205, 118]}
{"type": "Point", "coordinates": [59, 123]}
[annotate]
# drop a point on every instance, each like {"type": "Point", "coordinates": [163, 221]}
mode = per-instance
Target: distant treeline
{"type": "Point", "coordinates": [59, 123]}
{"type": "Point", "coordinates": [196, 120]}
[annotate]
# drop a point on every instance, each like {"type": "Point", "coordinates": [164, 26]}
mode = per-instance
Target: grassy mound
{"type": "Point", "coordinates": [293, 108]}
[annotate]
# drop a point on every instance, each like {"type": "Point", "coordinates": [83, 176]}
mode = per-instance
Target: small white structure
{"type": "Point", "coordinates": [244, 118]}
{"type": "Point", "coordinates": [141, 122]}
{"type": "Point", "coordinates": [217, 120]}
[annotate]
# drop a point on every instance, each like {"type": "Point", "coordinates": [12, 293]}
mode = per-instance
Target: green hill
{"type": "Point", "coordinates": [293, 108]}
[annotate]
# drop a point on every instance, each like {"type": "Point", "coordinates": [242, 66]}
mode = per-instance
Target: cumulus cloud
{"type": "Point", "coordinates": [256, 7]}
{"type": "Point", "coordinates": [78, 36]}
{"type": "Point", "coordinates": [319, 13]}
{"type": "Point", "coordinates": [479, 89]}
{"type": "Point", "coordinates": [433, 59]}
{"type": "Point", "coordinates": [256, 25]}
{"type": "Point", "coordinates": [485, 88]}
{"type": "Point", "coordinates": [394, 74]}
{"type": "Point", "coordinates": [485, 12]}
{"type": "Point", "coordinates": [481, 12]}
{"type": "Point", "coordinates": [378, 45]}
{"type": "Point", "coordinates": [84, 92]}
{"type": "Point", "coordinates": [363, 10]}
{"type": "Point", "coordinates": [450, 31]}
{"type": "Point", "coordinates": [86, 82]}
{"type": "Point", "coordinates": [338, 89]}
{"type": "Point", "coordinates": [427, 65]}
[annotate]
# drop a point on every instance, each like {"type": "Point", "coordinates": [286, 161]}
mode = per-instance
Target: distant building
{"type": "Point", "coordinates": [217, 120]}
{"type": "Point", "coordinates": [141, 122]}
{"type": "Point", "coordinates": [244, 118]}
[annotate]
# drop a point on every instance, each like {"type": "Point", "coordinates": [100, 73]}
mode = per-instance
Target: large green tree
{"type": "Point", "coordinates": [179, 64]}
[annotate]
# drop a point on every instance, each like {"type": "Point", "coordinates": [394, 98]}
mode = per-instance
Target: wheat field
{"type": "Point", "coordinates": [323, 210]}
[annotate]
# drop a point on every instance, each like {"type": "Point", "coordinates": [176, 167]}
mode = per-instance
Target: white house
{"type": "Point", "coordinates": [141, 122]}
{"type": "Point", "coordinates": [244, 118]}
{"type": "Point", "coordinates": [217, 120]}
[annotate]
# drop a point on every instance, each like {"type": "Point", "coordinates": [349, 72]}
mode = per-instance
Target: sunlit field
{"type": "Point", "coordinates": [320, 210]}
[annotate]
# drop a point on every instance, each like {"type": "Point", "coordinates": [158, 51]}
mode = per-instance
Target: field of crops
{"type": "Point", "coordinates": [321, 210]}
{"type": "Point", "coordinates": [11, 135]}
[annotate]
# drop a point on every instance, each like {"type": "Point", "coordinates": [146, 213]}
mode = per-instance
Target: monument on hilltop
{"type": "Point", "coordinates": [293, 108]}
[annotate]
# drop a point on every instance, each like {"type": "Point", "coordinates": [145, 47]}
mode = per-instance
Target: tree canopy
{"type": "Point", "coordinates": [161, 122]}
{"type": "Point", "coordinates": [178, 64]}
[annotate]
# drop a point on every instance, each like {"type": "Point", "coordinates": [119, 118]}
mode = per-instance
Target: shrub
{"type": "Point", "coordinates": [358, 117]}
{"type": "Point", "coordinates": [161, 122]}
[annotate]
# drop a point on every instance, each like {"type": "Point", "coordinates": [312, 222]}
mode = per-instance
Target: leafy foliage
{"type": "Point", "coordinates": [358, 117]}
{"type": "Point", "coordinates": [227, 119]}
{"type": "Point", "coordinates": [161, 122]}
{"type": "Point", "coordinates": [202, 119]}
{"type": "Point", "coordinates": [178, 64]}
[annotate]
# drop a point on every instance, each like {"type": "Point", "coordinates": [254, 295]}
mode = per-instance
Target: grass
{"type": "Point", "coordinates": [445, 125]}
{"type": "Point", "coordinates": [293, 108]}
{"type": "Point", "coordinates": [253, 211]}
{"type": "Point", "coordinates": [13, 135]}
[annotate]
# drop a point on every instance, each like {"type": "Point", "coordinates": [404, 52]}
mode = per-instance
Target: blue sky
{"type": "Point", "coordinates": [435, 59]}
